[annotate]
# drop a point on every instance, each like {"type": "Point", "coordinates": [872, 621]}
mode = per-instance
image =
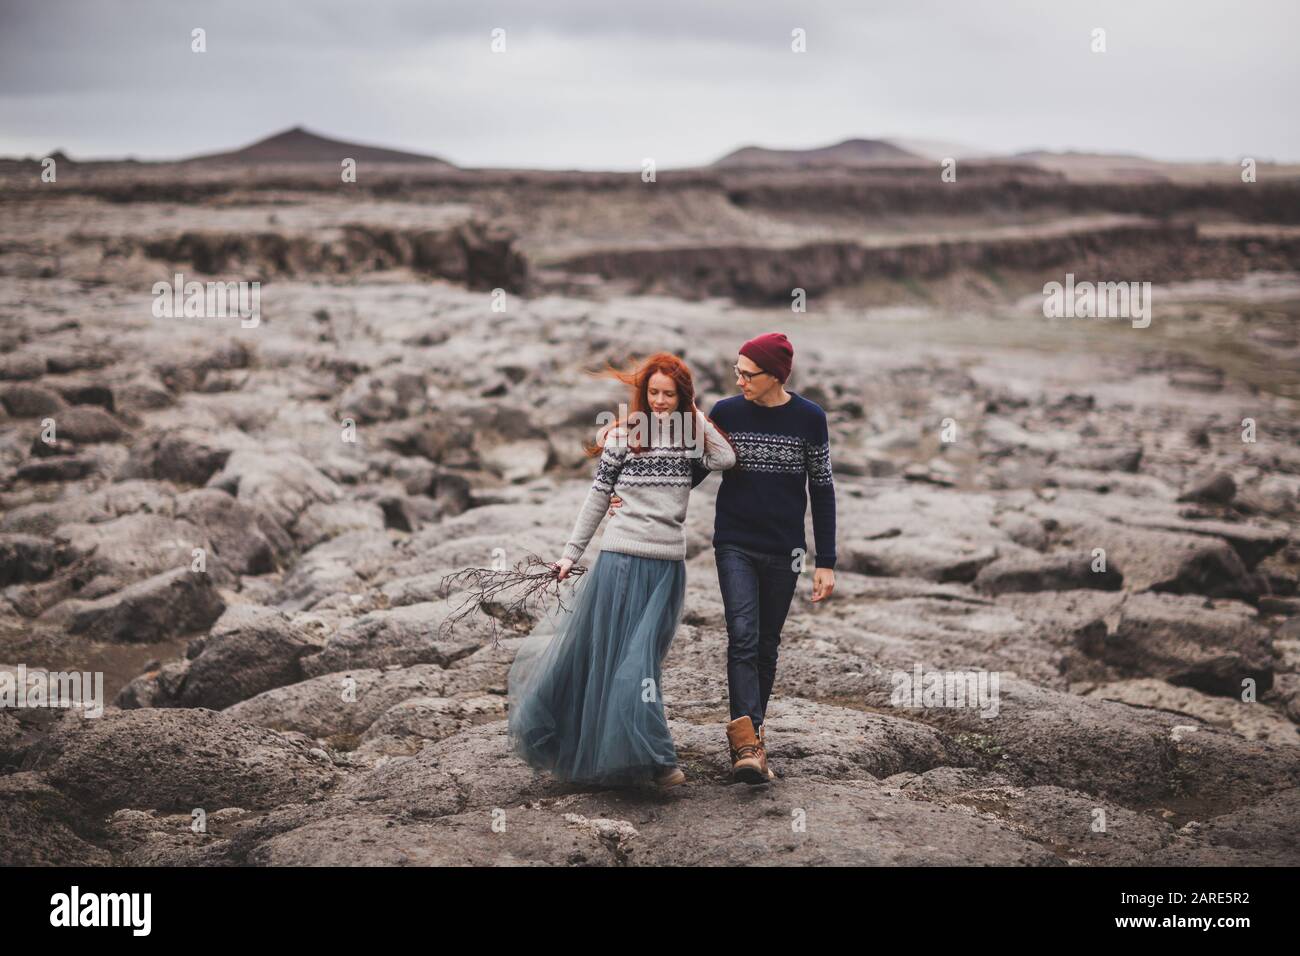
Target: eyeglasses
{"type": "Point", "coordinates": [749, 376]}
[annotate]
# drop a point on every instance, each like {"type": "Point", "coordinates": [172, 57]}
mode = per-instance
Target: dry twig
{"type": "Point", "coordinates": [534, 580]}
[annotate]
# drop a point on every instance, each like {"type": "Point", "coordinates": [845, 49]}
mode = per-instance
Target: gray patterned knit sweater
{"type": "Point", "coordinates": [655, 486]}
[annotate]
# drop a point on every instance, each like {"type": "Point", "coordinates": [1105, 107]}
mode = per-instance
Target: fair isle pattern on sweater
{"type": "Point", "coordinates": [784, 463]}
{"type": "Point", "coordinates": [655, 485]}
{"type": "Point", "coordinates": [759, 451]}
{"type": "Point", "coordinates": [655, 466]}
{"type": "Point", "coordinates": [819, 464]}
{"type": "Point", "coordinates": [785, 454]}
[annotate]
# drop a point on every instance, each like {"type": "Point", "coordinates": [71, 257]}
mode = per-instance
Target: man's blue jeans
{"type": "Point", "coordinates": [756, 593]}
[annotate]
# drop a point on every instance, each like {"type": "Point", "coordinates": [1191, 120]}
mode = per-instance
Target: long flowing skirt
{"type": "Point", "coordinates": [585, 700]}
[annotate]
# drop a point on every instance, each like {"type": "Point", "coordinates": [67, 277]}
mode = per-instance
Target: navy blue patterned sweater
{"type": "Point", "coordinates": [783, 459]}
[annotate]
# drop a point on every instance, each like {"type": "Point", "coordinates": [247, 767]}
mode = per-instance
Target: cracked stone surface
{"type": "Point", "coordinates": [1099, 540]}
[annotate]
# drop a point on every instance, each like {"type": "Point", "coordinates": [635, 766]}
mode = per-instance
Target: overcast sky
{"type": "Point", "coordinates": [600, 84]}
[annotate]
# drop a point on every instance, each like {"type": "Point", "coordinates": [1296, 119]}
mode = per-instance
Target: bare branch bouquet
{"type": "Point", "coordinates": [530, 586]}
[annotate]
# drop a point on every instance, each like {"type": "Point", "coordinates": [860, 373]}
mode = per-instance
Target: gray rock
{"type": "Point", "coordinates": [178, 759]}
{"type": "Point", "coordinates": [415, 474]}
{"type": "Point", "coordinates": [325, 520]}
{"type": "Point", "coordinates": [1079, 827]}
{"type": "Point", "coordinates": [1182, 641]}
{"type": "Point", "coordinates": [1259, 834]}
{"type": "Point", "coordinates": [61, 468]}
{"type": "Point", "coordinates": [30, 401]}
{"type": "Point", "coordinates": [337, 568]}
{"type": "Point", "coordinates": [25, 557]}
{"type": "Point", "coordinates": [933, 558]}
{"type": "Point", "coordinates": [40, 826]}
{"type": "Point", "coordinates": [406, 727]}
{"type": "Point", "coordinates": [166, 605]}
{"type": "Point", "coordinates": [1024, 530]}
{"type": "Point", "coordinates": [281, 485]}
{"type": "Point", "coordinates": [103, 504]}
{"type": "Point", "coordinates": [1218, 488]}
{"type": "Point", "coordinates": [403, 636]}
{"type": "Point", "coordinates": [1052, 572]}
{"type": "Point", "coordinates": [250, 649]}
{"type": "Point", "coordinates": [519, 460]}
{"type": "Point", "coordinates": [18, 366]}
{"type": "Point", "coordinates": [185, 456]}
{"type": "Point", "coordinates": [81, 391]}
{"type": "Point", "coordinates": [140, 545]}
{"type": "Point", "coordinates": [234, 530]}
{"type": "Point", "coordinates": [339, 707]}
{"type": "Point", "coordinates": [87, 425]}
{"type": "Point", "coordinates": [1252, 720]}
{"type": "Point", "coordinates": [1124, 458]}
{"type": "Point", "coordinates": [1166, 561]}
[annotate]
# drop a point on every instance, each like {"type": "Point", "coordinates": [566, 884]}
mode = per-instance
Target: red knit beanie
{"type": "Point", "coordinates": [772, 352]}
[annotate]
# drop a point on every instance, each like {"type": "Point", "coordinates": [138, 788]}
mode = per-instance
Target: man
{"type": "Point", "coordinates": [783, 460]}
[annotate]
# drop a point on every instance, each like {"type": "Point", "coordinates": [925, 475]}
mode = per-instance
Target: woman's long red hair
{"type": "Point", "coordinates": [637, 379]}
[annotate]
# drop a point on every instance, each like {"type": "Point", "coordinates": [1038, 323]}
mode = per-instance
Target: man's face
{"type": "Point", "coordinates": [759, 385]}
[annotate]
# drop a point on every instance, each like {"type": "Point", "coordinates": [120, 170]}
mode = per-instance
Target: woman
{"type": "Point", "coordinates": [585, 698]}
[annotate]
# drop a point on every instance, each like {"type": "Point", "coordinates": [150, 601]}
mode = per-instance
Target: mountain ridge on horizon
{"type": "Point", "coordinates": [856, 151]}
{"type": "Point", "coordinates": [297, 144]}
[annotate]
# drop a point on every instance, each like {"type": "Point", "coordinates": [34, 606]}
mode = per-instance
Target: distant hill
{"type": "Point", "coordinates": [299, 145]}
{"type": "Point", "coordinates": [851, 152]}
{"type": "Point", "coordinates": [1099, 166]}
{"type": "Point", "coordinates": [1086, 159]}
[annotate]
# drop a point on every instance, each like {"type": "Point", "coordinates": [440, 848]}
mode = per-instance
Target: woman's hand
{"type": "Point", "coordinates": [561, 568]}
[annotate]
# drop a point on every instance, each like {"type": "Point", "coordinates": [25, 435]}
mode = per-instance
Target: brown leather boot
{"type": "Point", "coordinates": [762, 752]}
{"type": "Point", "coordinates": [669, 777]}
{"type": "Point", "coordinates": [742, 742]}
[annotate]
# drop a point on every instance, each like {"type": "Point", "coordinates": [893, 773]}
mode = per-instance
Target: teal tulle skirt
{"type": "Point", "coordinates": [585, 699]}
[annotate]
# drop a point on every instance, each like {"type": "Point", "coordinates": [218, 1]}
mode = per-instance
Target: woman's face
{"type": "Point", "coordinates": [661, 391]}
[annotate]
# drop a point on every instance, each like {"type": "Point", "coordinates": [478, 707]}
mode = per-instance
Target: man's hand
{"type": "Point", "coordinates": [823, 583]}
{"type": "Point", "coordinates": [614, 502]}
{"type": "Point", "coordinates": [562, 568]}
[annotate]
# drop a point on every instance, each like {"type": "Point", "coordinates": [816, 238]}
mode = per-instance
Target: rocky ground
{"type": "Point", "coordinates": [298, 690]}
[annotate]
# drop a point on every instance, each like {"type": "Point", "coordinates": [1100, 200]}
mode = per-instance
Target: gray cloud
{"type": "Point", "coordinates": [602, 85]}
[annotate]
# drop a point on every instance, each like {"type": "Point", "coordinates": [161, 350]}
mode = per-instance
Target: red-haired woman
{"type": "Point", "coordinates": [585, 700]}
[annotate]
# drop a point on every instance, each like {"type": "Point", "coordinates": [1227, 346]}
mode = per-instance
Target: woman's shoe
{"type": "Point", "coordinates": [669, 777]}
